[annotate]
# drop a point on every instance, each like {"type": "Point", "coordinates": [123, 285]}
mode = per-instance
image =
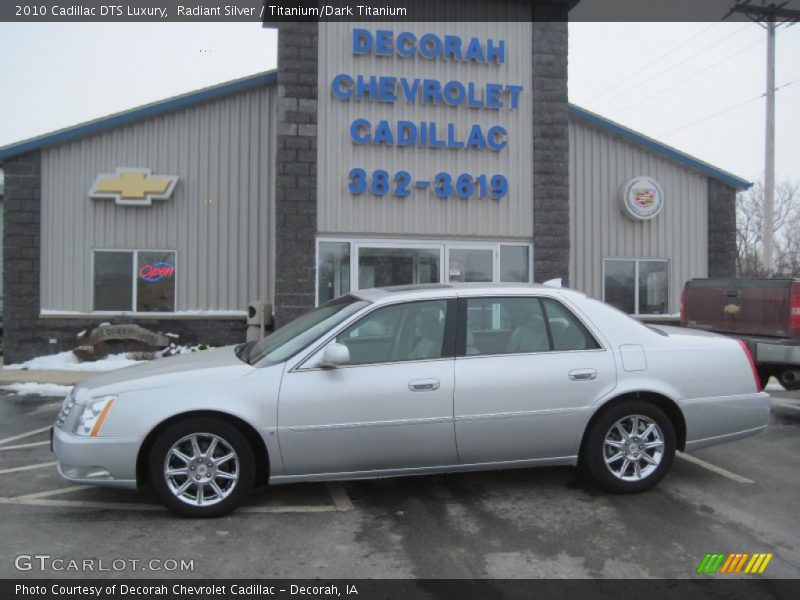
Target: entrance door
{"type": "Point", "coordinates": [385, 266]}
{"type": "Point", "coordinates": [471, 264]}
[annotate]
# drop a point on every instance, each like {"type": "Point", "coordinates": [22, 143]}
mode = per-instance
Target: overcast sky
{"type": "Point", "coordinates": [677, 82]}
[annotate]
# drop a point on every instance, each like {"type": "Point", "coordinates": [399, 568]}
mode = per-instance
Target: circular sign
{"type": "Point", "coordinates": [642, 198]}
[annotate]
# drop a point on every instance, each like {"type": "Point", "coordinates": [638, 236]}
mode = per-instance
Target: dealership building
{"type": "Point", "coordinates": [376, 154]}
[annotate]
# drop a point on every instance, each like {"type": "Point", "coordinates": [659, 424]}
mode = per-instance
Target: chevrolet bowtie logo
{"type": "Point", "coordinates": [133, 187]}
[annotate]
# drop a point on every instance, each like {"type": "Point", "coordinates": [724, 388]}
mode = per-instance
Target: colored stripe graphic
{"type": "Point", "coordinates": [721, 562]}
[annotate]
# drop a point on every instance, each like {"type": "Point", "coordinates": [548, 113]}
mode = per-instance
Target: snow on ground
{"type": "Point", "coordinates": [773, 386]}
{"type": "Point", "coordinates": [67, 361]}
{"type": "Point", "coordinates": [37, 389]}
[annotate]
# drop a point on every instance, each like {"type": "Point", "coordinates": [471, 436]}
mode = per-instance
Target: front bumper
{"type": "Point", "coordinates": [96, 460]}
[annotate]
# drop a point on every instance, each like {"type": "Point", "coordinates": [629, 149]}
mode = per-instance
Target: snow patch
{"type": "Point", "coordinates": [37, 389]}
{"type": "Point", "coordinates": [773, 386]}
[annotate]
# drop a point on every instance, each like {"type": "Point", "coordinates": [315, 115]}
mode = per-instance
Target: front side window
{"type": "Point", "coordinates": [637, 287]}
{"type": "Point", "coordinates": [402, 332]}
{"type": "Point", "coordinates": [134, 280]}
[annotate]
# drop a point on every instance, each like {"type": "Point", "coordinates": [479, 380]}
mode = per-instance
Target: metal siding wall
{"type": "Point", "coordinates": [423, 213]}
{"type": "Point", "coordinates": [600, 165]}
{"type": "Point", "coordinates": [219, 218]}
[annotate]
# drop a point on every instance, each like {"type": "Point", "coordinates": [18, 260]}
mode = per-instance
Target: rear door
{"type": "Point", "coordinates": [525, 370]}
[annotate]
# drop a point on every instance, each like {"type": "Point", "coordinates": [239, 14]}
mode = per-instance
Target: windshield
{"type": "Point", "coordinates": [296, 335]}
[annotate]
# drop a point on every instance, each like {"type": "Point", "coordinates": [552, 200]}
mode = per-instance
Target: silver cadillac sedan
{"type": "Point", "coordinates": [412, 380]}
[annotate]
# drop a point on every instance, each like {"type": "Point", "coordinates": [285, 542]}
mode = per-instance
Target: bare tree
{"type": "Point", "coordinates": [786, 231]}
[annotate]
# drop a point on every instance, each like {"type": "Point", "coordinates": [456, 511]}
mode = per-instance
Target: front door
{"type": "Point", "coordinates": [390, 408]}
{"type": "Point", "coordinates": [527, 369]}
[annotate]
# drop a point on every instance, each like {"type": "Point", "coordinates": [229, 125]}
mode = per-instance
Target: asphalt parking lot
{"type": "Point", "coordinates": [739, 497]}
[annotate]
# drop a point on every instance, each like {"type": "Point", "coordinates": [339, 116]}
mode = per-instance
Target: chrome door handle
{"type": "Point", "coordinates": [423, 385]}
{"type": "Point", "coordinates": [583, 374]}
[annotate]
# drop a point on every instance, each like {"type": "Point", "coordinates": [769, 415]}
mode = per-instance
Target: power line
{"type": "Point", "coordinates": [726, 110]}
{"type": "Point", "coordinates": [685, 79]}
{"type": "Point", "coordinates": [676, 65]}
{"type": "Point", "coordinates": [651, 63]}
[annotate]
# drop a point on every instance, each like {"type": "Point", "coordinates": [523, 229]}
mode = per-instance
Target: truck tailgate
{"type": "Point", "coordinates": [759, 307]}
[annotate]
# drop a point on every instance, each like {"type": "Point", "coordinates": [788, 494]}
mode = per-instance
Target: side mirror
{"type": "Point", "coordinates": [335, 355]}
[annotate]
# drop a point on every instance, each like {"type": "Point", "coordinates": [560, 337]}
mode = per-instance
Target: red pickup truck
{"type": "Point", "coordinates": [764, 313]}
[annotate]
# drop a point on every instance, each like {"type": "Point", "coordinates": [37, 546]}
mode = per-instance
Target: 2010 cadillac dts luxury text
{"type": "Point", "coordinates": [410, 380]}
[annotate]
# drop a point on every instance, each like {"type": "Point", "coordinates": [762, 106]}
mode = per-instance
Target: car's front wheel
{"type": "Point", "coordinates": [202, 467]}
{"type": "Point", "coordinates": [630, 447]}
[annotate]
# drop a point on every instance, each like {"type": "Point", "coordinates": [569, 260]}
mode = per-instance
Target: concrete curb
{"type": "Point", "coordinates": [44, 376]}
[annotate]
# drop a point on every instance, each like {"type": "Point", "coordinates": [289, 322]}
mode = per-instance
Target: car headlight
{"type": "Point", "coordinates": [66, 408]}
{"type": "Point", "coordinates": [93, 414]}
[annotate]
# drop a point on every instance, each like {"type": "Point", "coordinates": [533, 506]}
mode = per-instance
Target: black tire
{"type": "Point", "coordinates": [593, 453]}
{"type": "Point", "coordinates": [789, 383]}
{"type": "Point", "coordinates": [204, 427]}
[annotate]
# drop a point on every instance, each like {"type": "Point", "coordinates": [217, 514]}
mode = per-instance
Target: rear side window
{"type": "Point", "coordinates": [567, 331]}
{"type": "Point", "coordinates": [517, 325]}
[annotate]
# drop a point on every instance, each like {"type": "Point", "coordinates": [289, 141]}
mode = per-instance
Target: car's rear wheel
{"type": "Point", "coordinates": [630, 447]}
{"type": "Point", "coordinates": [202, 467]}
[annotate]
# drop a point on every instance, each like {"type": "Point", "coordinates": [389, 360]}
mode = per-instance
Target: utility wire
{"type": "Point", "coordinates": [726, 110]}
{"type": "Point", "coordinates": [676, 65]}
{"type": "Point", "coordinates": [651, 63]}
{"type": "Point", "coordinates": [685, 79]}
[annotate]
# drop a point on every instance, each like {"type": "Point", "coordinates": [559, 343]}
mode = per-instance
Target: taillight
{"type": "Point", "coordinates": [683, 306]}
{"type": "Point", "coordinates": [795, 311]}
{"type": "Point", "coordinates": [752, 365]}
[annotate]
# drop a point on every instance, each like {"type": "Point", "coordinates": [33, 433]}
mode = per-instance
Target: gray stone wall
{"type": "Point", "coordinates": [550, 143]}
{"type": "Point", "coordinates": [296, 169]}
{"type": "Point", "coordinates": [721, 229]}
{"type": "Point", "coordinates": [26, 334]}
{"type": "Point", "coordinates": [21, 256]}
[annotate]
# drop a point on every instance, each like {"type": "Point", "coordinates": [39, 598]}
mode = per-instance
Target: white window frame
{"type": "Point", "coordinates": [443, 246]}
{"type": "Point", "coordinates": [636, 262]}
{"type": "Point", "coordinates": [134, 294]}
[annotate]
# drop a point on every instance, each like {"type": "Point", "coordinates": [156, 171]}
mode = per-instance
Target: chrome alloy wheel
{"type": "Point", "coordinates": [633, 448]}
{"type": "Point", "coordinates": [201, 469]}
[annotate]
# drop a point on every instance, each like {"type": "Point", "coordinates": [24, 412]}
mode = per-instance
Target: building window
{"type": "Point", "coordinates": [637, 287]}
{"type": "Point", "coordinates": [515, 265]}
{"type": "Point", "coordinates": [134, 281]}
{"type": "Point", "coordinates": [333, 266]}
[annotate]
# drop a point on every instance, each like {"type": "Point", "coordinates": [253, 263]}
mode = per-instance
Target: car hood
{"type": "Point", "coordinates": [205, 365]}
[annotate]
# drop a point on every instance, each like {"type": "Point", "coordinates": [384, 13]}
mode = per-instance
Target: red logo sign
{"type": "Point", "coordinates": [156, 272]}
